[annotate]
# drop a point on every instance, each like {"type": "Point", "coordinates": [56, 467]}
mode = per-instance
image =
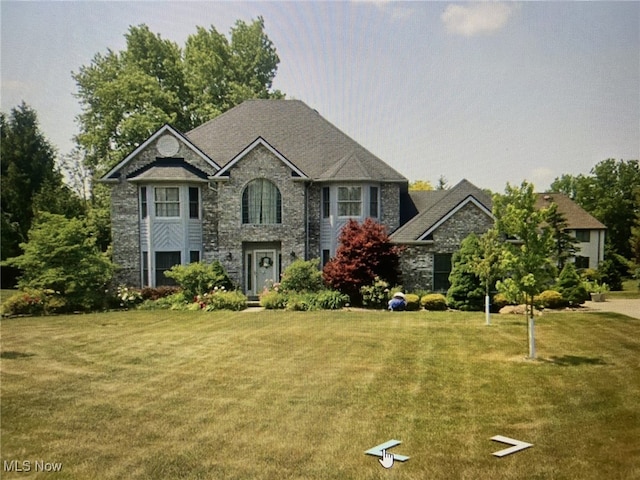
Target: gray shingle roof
{"type": "Point", "coordinates": [576, 216]}
{"type": "Point", "coordinates": [434, 205]}
{"type": "Point", "coordinates": [299, 133]}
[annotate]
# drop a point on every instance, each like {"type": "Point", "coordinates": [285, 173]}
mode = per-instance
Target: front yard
{"type": "Point", "coordinates": [262, 395]}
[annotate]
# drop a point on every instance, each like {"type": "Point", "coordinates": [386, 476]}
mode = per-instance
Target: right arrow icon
{"type": "Point", "coordinates": [517, 445]}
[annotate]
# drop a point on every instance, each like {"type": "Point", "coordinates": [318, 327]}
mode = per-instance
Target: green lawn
{"type": "Point", "coordinates": [629, 290]}
{"type": "Point", "coordinates": [266, 395]}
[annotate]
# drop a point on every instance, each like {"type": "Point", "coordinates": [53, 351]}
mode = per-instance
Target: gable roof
{"type": "Point", "coordinates": [260, 142]}
{"type": "Point", "coordinates": [311, 143]}
{"type": "Point", "coordinates": [114, 172]}
{"type": "Point", "coordinates": [574, 214]}
{"type": "Point", "coordinates": [436, 206]}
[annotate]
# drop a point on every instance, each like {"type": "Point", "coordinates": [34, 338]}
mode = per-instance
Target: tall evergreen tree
{"type": "Point", "coordinates": [30, 182]}
{"type": "Point", "coordinates": [564, 243]}
{"type": "Point", "coordinates": [466, 291]}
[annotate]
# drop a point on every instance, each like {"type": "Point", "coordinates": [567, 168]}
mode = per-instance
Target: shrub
{"type": "Point", "coordinates": [300, 302]}
{"type": "Point", "coordinates": [570, 286]}
{"type": "Point", "coordinates": [273, 300]}
{"type": "Point", "coordinates": [500, 300]}
{"type": "Point", "coordinates": [509, 290]}
{"type": "Point", "coordinates": [176, 301]}
{"type": "Point", "coordinates": [302, 276]}
{"type": "Point", "coordinates": [32, 301]}
{"type": "Point", "coordinates": [61, 256]}
{"type": "Point", "coordinates": [128, 297]}
{"type": "Point", "coordinates": [466, 291]}
{"type": "Point", "coordinates": [375, 295]}
{"type": "Point", "coordinates": [154, 293]}
{"type": "Point", "coordinates": [331, 300]}
{"type": "Point", "coordinates": [550, 299]}
{"type": "Point", "coordinates": [199, 278]}
{"type": "Point", "coordinates": [595, 287]}
{"type": "Point", "coordinates": [590, 275]}
{"type": "Point", "coordinates": [222, 300]}
{"type": "Point", "coordinates": [434, 301]}
{"type": "Point", "coordinates": [365, 252]}
{"type": "Point", "coordinates": [413, 302]}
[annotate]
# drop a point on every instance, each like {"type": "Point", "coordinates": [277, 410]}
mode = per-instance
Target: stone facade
{"type": "Point", "coordinates": [416, 260]}
{"type": "Point", "coordinates": [125, 213]}
{"type": "Point", "coordinates": [390, 205]}
{"type": "Point", "coordinates": [233, 234]}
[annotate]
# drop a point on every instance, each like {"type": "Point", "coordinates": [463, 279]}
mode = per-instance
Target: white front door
{"type": "Point", "coordinates": [264, 270]}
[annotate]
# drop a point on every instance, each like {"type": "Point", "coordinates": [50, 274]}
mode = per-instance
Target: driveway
{"type": "Point", "coordinates": [626, 306]}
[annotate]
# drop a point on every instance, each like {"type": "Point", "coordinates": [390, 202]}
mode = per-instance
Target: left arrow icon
{"type": "Point", "coordinates": [381, 450]}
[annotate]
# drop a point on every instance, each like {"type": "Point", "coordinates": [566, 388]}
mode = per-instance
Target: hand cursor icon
{"type": "Point", "coordinates": [387, 459]}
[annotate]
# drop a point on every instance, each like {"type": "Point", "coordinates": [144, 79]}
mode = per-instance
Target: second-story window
{"type": "Point", "coordinates": [349, 201]}
{"type": "Point", "coordinates": [167, 201]}
{"type": "Point", "coordinates": [261, 202]}
{"type": "Point", "coordinates": [194, 202]}
{"type": "Point", "coordinates": [143, 202]}
{"type": "Point", "coordinates": [373, 202]}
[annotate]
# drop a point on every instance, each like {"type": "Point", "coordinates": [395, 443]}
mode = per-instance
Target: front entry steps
{"type": "Point", "coordinates": [253, 302]}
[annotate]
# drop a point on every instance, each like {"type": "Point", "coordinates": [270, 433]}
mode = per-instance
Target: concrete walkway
{"type": "Point", "coordinates": [626, 306]}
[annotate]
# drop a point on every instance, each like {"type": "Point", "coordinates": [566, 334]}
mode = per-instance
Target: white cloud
{"type": "Point", "coordinates": [476, 19]}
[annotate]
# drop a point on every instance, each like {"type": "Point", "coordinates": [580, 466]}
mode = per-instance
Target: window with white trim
{"type": "Point", "coordinates": [261, 202]}
{"type": "Point", "coordinates": [164, 262]}
{"type": "Point", "coordinates": [326, 202]}
{"type": "Point", "coordinates": [167, 201]}
{"type": "Point", "coordinates": [194, 202]}
{"type": "Point", "coordinates": [349, 201]}
{"type": "Point", "coordinates": [373, 202]}
{"type": "Point", "coordinates": [583, 236]}
{"type": "Point", "coordinates": [143, 202]}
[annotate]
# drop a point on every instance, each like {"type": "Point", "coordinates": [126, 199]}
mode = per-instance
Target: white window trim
{"type": "Point", "coordinates": [155, 203]}
{"type": "Point", "coordinates": [338, 201]}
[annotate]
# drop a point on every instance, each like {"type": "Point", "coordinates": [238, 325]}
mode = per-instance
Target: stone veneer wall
{"type": "Point", "coordinates": [232, 233]}
{"type": "Point", "coordinates": [314, 194]}
{"type": "Point", "coordinates": [125, 216]}
{"type": "Point", "coordinates": [390, 206]}
{"type": "Point", "coordinates": [416, 260]}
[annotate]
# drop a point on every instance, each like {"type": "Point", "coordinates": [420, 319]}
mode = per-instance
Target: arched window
{"type": "Point", "coordinates": [261, 202]}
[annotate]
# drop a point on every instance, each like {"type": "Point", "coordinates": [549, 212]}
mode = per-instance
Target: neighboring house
{"type": "Point", "coordinates": [259, 186]}
{"type": "Point", "coordinates": [436, 223]}
{"type": "Point", "coordinates": [583, 226]}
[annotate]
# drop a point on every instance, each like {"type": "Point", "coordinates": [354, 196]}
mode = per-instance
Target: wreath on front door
{"type": "Point", "coordinates": [266, 262]}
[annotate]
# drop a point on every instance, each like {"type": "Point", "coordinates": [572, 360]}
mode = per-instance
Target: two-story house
{"type": "Point", "coordinates": [588, 230]}
{"type": "Point", "coordinates": [265, 183]}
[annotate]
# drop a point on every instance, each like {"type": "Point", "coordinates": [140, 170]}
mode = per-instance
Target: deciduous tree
{"type": "Point", "coordinates": [607, 193]}
{"type": "Point", "coordinates": [61, 256]}
{"type": "Point", "coordinates": [528, 256]}
{"type": "Point", "coordinates": [365, 253]}
{"type": "Point", "coordinates": [420, 185]}
{"type": "Point", "coordinates": [127, 95]}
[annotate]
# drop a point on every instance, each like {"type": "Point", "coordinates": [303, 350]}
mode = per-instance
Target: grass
{"type": "Point", "coordinates": [630, 289]}
{"type": "Point", "coordinates": [262, 395]}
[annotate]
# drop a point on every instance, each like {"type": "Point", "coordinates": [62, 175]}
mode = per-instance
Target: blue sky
{"type": "Point", "coordinates": [491, 92]}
